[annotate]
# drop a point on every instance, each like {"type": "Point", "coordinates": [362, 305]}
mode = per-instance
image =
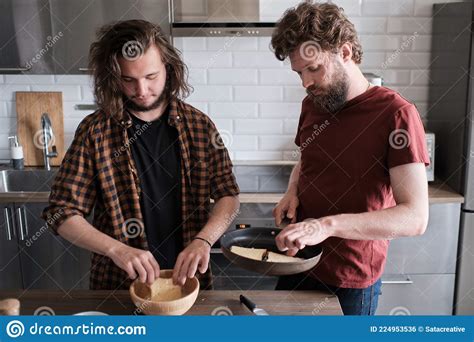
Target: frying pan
{"type": "Point", "coordinates": [265, 238]}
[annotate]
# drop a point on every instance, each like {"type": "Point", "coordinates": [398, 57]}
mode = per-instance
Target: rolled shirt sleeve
{"type": "Point", "coordinates": [222, 179]}
{"type": "Point", "coordinates": [73, 191]}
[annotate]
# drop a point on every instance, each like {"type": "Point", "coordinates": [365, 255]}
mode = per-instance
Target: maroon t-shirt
{"type": "Point", "coordinates": [345, 162]}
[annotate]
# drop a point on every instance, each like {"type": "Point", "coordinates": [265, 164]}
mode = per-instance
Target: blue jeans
{"type": "Point", "coordinates": [353, 301]}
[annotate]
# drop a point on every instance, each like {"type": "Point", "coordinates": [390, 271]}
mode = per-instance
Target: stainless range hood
{"type": "Point", "coordinates": [214, 18]}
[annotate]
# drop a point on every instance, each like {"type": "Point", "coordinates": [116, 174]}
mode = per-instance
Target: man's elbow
{"type": "Point", "coordinates": [421, 223]}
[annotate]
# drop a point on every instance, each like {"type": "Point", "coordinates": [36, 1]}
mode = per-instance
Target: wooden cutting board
{"type": "Point", "coordinates": [30, 106]}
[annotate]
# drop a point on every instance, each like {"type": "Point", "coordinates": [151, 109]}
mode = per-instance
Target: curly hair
{"type": "Point", "coordinates": [119, 39]}
{"type": "Point", "coordinates": [323, 24]}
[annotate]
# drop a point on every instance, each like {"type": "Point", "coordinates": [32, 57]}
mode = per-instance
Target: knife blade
{"type": "Point", "coordinates": [252, 306]}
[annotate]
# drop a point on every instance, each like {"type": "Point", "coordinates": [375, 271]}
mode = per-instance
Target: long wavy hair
{"type": "Point", "coordinates": [323, 24]}
{"type": "Point", "coordinates": [130, 39]}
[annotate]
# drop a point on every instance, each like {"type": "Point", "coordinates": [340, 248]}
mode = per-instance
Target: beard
{"type": "Point", "coordinates": [132, 106]}
{"type": "Point", "coordinates": [334, 97]}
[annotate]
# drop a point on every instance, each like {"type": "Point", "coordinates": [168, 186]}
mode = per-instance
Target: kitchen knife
{"type": "Point", "coordinates": [252, 306]}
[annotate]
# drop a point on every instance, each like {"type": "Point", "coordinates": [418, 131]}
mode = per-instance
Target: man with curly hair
{"type": "Point", "coordinates": [147, 163]}
{"type": "Point", "coordinates": [361, 179]}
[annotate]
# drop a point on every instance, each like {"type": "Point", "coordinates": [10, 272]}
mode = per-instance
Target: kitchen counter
{"type": "Point", "coordinates": [120, 303]}
{"type": "Point", "coordinates": [438, 193]}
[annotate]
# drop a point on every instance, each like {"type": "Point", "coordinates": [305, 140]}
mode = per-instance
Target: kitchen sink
{"type": "Point", "coordinates": [26, 180]}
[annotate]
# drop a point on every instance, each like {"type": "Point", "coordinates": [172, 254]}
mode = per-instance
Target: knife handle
{"type": "Point", "coordinates": [247, 302]}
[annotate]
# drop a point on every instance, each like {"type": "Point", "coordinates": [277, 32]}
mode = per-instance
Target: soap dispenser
{"type": "Point", "coordinates": [16, 153]}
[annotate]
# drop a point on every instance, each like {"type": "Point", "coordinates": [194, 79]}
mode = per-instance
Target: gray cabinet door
{"type": "Point", "coordinates": [49, 261]}
{"type": "Point", "coordinates": [25, 37]}
{"type": "Point", "coordinates": [417, 294]}
{"type": "Point", "coordinates": [10, 270]}
{"type": "Point", "coordinates": [434, 251]}
{"type": "Point", "coordinates": [76, 22]}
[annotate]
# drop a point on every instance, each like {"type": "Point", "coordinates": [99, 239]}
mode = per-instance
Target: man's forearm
{"type": "Point", "coordinates": [293, 182]}
{"type": "Point", "coordinates": [222, 215]}
{"type": "Point", "coordinates": [81, 233]}
{"type": "Point", "coordinates": [398, 221]}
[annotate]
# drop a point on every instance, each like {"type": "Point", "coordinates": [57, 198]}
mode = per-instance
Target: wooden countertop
{"type": "Point", "coordinates": [437, 192]}
{"type": "Point", "coordinates": [120, 303]}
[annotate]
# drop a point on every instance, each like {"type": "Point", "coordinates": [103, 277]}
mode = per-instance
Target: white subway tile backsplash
{"type": "Point", "coordinates": [279, 77]}
{"type": "Point", "coordinates": [70, 125]}
{"type": "Point", "coordinates": [70, 92]}
{"type": "Point", "coordinates": [202, 106]}
{"type": "Point", "coordinates": [413, 93]}
{"type": "Point", "coordinates": [243, 143]}
{"type": "Point", "coordinates": [383, 8]}
{"type": "Point", "coordinates": [254, 99]}
{"type": "Point", "coordinates": [373, 60]}
{"type": "Point", "coordinates": [232, 44]}
{"type": "Point", "coordinates": [10, 107]}
{"type": "Point", "coordinates": [197, 76]}
{"type": "Point", "coordinates": [256, 60]}
{"type": "Point", "coordinates": [211, 93]}
{"type": "Point", "coordinates": [258, 126]}
{"type": "Point", "coordinates": [280, 110]}
{"type": "Point", "coordinates": [233, 109]}
{"type": "Point", "coordinates": [87, 94]}
{"type": "Point", "coordinates": [258, 93]}
{"type": "Point", "coordinates": [379, 42]}
{"type": "Point", "coordinates": [410, 25]}
{"type": "Point", "coordinates": [420, 77]}
{"type": "Point", "coordinates": [194, 44]}
{"type": "Point", "coordinates": [247, 155]}
{"type": "Point", "coordinates": [207, 59]}
{"type": "Point", "coordinates": [29, 79]}
{"type": "Point", "coordinates": [290, 127]}
{"type": "Point", "coordinates": [294, 94]}
{"type": "Point", "coordinates": [409, 60]}
{"type": "Point", "coordinates": [370, 25]}
{"type": "Point", "coordinates": [73, 79]}
{"type": "Point", "coordinates": [351, 7]}
{"type": "Point", "coordinates": [276, 143]}
{"type": "Point", "coordinates": [264, 44]}
{"type": "Point", "coordinates": [3, 109]}
{"type": "Point", "coordinates": [7, 91]}
{"type": "Point", "coordinates": [422, 43]}
{"type": "Point", "coordinates": [224, 126]}
{"type": "Point", "coordinates": [233, 76]}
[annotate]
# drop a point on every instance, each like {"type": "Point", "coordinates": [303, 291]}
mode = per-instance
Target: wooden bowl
{"type": "Point", "coordinates": [164, 298]}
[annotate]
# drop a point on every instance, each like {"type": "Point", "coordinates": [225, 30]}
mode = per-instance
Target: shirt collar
{"type": "Point", "coordinates": [174, 115]}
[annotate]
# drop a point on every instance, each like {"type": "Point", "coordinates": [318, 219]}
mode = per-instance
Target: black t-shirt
{"type": "Point", "coordinates": [155, 150]}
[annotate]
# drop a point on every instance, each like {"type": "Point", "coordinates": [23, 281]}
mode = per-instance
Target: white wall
{"type": "Point", "coordinates": [253, 98]}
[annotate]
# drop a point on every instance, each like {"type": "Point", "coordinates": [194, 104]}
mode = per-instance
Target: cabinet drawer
{"type": "Point", "coordinates": [434, 251]}
{"type": "Point", "coordinates": [417, 294]}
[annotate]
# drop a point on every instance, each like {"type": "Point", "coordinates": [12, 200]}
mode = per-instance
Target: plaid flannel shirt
{"type": "Point", "coordinates": [98, 172]}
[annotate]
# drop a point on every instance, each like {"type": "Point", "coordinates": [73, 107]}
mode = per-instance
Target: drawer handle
{"type": "Point", "coordinates": [7, 219]}
{"type": "Point", "coordinates": [404, 281]}
{"type": "Point", "coordinates": [20, 221]}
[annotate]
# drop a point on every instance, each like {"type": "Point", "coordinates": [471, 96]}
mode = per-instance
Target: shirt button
{"type": "Point", "coordinates": [178, 117]}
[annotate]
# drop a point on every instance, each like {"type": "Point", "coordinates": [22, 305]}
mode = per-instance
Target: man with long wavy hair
{"type": "Point", "coordinates": [147, 162]}
{"type": "Point", "coordinates": [361, 177]}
